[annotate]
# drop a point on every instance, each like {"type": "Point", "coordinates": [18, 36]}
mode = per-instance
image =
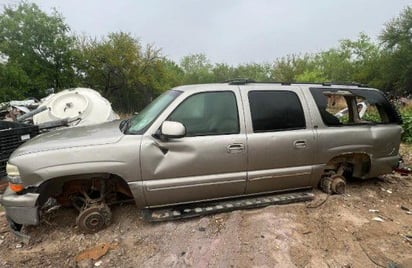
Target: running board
{"type": "Point", "coordinates": [201, 209]}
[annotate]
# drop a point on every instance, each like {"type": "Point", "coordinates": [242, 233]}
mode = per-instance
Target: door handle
{"type": "Point", "coordinates": [235, 148]}
{"type": "Point", "coordinates": [301, 144]}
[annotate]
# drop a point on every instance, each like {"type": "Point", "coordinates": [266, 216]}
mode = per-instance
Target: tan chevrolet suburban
{"type": "Point", "coordinates": [207, 142]}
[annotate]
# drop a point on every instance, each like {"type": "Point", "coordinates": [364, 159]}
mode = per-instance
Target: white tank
{"type": "Point", "coordinates": [83, 106]}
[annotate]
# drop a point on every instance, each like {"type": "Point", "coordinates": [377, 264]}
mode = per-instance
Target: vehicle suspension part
{"type": "Point", "coordinates": [333, 184]}
{"type": "Point", "coordinates": [94, 218]}
{"type": "Point", "coordinates": [94, 213]}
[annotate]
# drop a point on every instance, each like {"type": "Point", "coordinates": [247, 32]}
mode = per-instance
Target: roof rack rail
{"type": "Point", "coordinates": [327, 84]}
{"type": "Point", "coordinates": [244, 81]}
{"type": "Point", "coordinates": [239, 81]}
{"type": "Point", "coordinates": [346, 84]}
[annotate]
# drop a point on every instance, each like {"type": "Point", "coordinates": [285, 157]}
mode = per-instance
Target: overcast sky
{"type": "Point", "coordinates": [230, 31]}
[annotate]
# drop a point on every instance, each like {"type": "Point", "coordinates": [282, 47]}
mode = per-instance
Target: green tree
{"type": "Point", "coordinates": [258, 72]}
{"type": "Point", "coordinates": [336, 64]}
{"type": "Point", "coordinates": [124, 72]}
{"type": "Point", "coordinates": [254, 71]}
{"type": "Point", "coordinates": [291, 67]}
{"type": "Point", "coordinates": [352, 61]}
{"type": "Point", "coordinates": [397, 41]}
{"type": "Point", "coordinates": [173, 74]}
{"type": "Point", "coordinates": [311, 76]}
{"type": "Point", "coordinates": [223, 72]}
{"type": "Point", "coordinates": [197, 69]}
{"type": "Point", "coordinates": [37, 51]}
{"type": "Point", "coordinates": [365, 59]}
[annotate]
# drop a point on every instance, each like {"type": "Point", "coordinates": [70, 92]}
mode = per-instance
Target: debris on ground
{"type": "Point", "coordinates": [379, 219]}
{"type": "Point", "coordinates": [405, 208]}
{"type": "Point", "coordinates": [95, 253]}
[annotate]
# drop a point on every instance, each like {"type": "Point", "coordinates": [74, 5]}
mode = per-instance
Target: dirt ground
{"type": "Point", "coordinates": [369, 226]}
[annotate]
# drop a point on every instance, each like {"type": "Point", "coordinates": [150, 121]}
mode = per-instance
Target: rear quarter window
{"type": "Point", "coordinates": [372, 107]}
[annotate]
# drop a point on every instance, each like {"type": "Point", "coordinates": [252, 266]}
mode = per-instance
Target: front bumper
{"type": "Point", "coordinates": [20, 209]}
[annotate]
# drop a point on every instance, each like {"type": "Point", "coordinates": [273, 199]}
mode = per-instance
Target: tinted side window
{"type": "Point", "coordinates": [275, 110]}
{"type": "Point", "coordinates": [208, 113]}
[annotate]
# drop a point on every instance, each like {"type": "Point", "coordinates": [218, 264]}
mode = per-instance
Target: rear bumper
{"type": "Point", "coordinates": [20, 209]}
{"type": "Point", "coordinates": [383, 165]}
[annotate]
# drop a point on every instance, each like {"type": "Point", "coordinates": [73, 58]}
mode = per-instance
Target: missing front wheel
{"type": "Point", "coordinates": [94, 218]}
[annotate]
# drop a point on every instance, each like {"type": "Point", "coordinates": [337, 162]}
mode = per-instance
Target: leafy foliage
{"type": "Point", "coordinates": [197, 69]}
{"type": "Point", "coordinates": [36, 51]}
{"type": "Point", "coordinates": [397, 41]}
{"type": "Point", "coordinates": [407, 124]}
{"type": "Point", "coordinates": [124, 72]}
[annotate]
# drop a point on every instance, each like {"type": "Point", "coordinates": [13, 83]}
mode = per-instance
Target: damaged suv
{"type": "Point", "coordinates": [207, 142]}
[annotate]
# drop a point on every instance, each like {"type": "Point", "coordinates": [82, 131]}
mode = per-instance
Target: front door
{"type": "Point", "coordinates": [208, 163]}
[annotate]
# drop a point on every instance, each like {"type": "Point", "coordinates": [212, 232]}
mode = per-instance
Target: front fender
{"type": "Point", "coordinates": [73, 169]}
{"type": "Point", "coordinates": [121, 159]}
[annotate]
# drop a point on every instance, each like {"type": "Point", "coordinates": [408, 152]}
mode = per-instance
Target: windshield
{"type": "Point", "coordinates": [139, 123]}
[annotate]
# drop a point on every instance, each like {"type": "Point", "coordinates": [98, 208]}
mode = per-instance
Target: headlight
{"type": "Point", "coordinates": [15, 183]}
{"type": "Point", "coordinates": [12, 170]}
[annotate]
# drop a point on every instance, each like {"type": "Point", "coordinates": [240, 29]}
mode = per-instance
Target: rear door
{"type": "Point", "coordinates": [281, 140]}
{"type": "Point", "coordinates": [209, 162]}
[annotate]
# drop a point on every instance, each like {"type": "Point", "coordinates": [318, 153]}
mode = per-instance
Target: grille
{"type": "Point", "coordinates": [12, 135]}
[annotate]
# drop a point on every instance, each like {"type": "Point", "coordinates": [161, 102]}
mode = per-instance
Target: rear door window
{"type": "Point", "coordinates": [275, 111]}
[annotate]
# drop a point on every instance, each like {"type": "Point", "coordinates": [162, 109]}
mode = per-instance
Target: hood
{"type": "Point", "coordinates": [105, 133]}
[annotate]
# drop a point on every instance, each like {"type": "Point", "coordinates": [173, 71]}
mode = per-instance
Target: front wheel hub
{"type": "Point", "coordinates": [94, 218]}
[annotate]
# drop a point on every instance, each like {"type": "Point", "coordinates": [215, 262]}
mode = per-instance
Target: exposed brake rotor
{"type": "Point", "coordinates": [334, 184]}
{"type": "Point", "coordinates": [94, 218]}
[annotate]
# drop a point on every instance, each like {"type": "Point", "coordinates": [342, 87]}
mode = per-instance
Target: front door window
{"type": "Point", "coordinates": [208, 113]}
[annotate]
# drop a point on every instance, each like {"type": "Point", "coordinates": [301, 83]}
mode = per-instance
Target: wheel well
{"type": "Point", "coordinates": [356, 164]}
{"type": "Point", "coordinates": [62, 188]}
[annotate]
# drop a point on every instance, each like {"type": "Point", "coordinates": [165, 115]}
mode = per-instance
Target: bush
{"type": "Point", "coordinates": [372, 117]}
{"type": "Point", "coordinates": [407, 124]}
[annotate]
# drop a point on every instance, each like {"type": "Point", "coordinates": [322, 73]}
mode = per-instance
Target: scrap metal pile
{"type": "Point", "coordinates": [21, 120]}
{"type": "Point", "coordinates": [70, 107]}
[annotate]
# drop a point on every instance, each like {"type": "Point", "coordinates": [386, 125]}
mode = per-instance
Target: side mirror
{"type": "Point", "coordinates": [172, 129]}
